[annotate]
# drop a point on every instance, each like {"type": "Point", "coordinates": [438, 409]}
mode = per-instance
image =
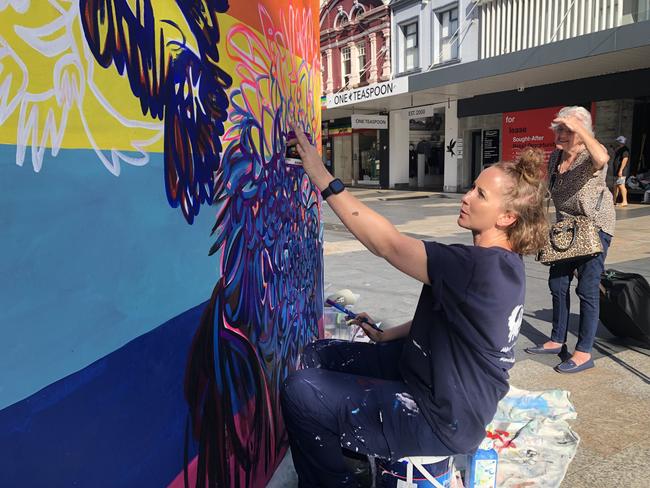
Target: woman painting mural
{"type": "Point", "coordinates": [578, 169]}
{"type": "Point", "coordinates": [430, 386]}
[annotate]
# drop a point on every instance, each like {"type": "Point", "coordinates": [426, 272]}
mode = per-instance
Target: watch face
{"type": "Point", "coordinates": [337, 186]}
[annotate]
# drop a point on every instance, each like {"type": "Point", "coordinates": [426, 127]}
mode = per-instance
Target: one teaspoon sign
{"type": "Point", "coordinates": [367, 93]}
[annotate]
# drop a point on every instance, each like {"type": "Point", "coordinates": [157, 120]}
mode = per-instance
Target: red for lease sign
{"type": "Point", "coordinates": [530, 128]}
{"type": "Point", "coordinates": [527, 128]}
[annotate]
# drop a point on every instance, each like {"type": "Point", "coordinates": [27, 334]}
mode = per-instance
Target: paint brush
{"type": "Point", "coordinates": [351, 314]}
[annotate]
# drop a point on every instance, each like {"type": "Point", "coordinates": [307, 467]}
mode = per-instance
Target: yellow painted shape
{"type": "Point", "coordinates": [91, 95]}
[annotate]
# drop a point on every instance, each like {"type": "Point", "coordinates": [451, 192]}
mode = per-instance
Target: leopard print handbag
{"type": "Point", "coordinates": [571, 238]}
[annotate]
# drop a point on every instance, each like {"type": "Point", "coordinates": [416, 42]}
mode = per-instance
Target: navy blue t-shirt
{"type": "Point", "coordinates": [461, 345]}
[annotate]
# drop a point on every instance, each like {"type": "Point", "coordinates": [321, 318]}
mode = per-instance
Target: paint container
{"type": "Point", "coordinates": [291, 155]}
{"type": "Point", "coordinates": [483, 466]}
{"type": "Point", "coordinates": [393, 475]}
{"type": "Point", "coordinates": [335, 324]}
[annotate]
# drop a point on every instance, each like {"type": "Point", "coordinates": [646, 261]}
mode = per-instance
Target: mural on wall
{"type": "Point", "coordinates": [266, 305]}
{"type": "Point", "coordinates": [187, 105]}
{"type": "Point", "coordinates": [170, 56]}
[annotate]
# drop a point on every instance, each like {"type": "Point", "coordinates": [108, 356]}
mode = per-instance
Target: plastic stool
{"type": "Point", "coordinates": [418, 462]}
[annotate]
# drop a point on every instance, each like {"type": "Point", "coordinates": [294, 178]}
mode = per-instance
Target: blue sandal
{"type": "Point", "coordinates": [569, 366]}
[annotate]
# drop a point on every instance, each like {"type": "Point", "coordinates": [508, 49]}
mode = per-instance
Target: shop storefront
{"type": "Point", "coordinates": [355, 149]}
{"type": "Point", "coordinates": [426, 147]}
{"type": "Point", "coordinates": [367, 148]}
{"type": "Point", "coordinates": [499, 135]}
{"type": "Point", "coordinates": [337, 148]}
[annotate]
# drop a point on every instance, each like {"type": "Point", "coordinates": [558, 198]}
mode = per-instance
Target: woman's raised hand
{"type": "Point", "coordinates": [311, 159]}
{"type": "Point", "coordinates": [570, 122]}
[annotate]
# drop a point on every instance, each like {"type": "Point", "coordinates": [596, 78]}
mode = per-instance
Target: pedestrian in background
{"type": "Point", "coordinates": [621, 164]}
{"type": "Point", "coordinates": [578, 169]}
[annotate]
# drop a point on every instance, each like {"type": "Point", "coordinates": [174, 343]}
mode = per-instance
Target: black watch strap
{"type": "Point", "coordinates": [335, 187]}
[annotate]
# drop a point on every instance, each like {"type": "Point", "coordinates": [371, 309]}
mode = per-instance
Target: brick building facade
{"type": "Point", "coordinates": [355, 43]}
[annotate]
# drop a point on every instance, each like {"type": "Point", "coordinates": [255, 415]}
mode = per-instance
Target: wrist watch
{"type": "Point", "coordinates": [335, 187]}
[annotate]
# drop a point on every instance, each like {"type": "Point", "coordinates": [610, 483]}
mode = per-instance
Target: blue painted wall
{"type": "Point", "coordinates": [88, 262]}
{"type": "Point", "coordinates": [120, 422]}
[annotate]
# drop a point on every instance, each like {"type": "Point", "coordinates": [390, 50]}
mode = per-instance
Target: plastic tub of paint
{"type": "Point", "coordinates": [334, 323]}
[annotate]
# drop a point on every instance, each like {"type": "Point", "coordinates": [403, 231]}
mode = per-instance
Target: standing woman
{"type": "Point", "coordinates": [430, 386]}
{"type": "Point", "coordinates": [578, 171]}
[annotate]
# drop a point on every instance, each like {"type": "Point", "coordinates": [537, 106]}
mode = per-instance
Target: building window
{"type": "Point", "coordinates": [448, 46]}
{"type": "Point", "coordinates": [341, 19]}
{"type": "Point", "coordinates": [346, 65]}
{"type": "Point", "coordinates": [410, 51]}
{"type": "Point", "coordinates": [361, 49]}
{"type": "Point", "coordinates": [357, 10]}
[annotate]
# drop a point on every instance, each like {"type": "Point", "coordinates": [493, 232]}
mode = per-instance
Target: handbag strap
{"type": "Point", "coordinates": [600, 200]}
{"type": "Point", "coordinates": [574, 235]}
{"type": "Point", "coordinates": [553, 163]}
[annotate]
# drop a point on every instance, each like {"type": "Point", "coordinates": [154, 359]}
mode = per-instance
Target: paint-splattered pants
{"type": "Point", "coordinates": [351, 396]}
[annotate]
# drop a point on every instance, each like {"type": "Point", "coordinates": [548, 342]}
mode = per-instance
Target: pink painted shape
{"type": "Point", "coordinates": [179, 481]}
{"type": "Point", "coordinates": [262, 481]}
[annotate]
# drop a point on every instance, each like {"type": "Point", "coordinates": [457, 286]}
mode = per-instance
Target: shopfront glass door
{"type": "Point", "coordinates": [369, 163]}
{"type": "Point", "coordinates": [427, 151]}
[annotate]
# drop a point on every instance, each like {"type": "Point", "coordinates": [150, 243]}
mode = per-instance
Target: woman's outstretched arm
{"type": "Point", "coordinates": [373, 230]}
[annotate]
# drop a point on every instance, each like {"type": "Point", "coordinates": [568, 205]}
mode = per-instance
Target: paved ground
{"type": "Point", "coordinates": [612, 400]}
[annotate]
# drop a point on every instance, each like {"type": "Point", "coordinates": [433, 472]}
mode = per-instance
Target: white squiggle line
{"type": "Point", "coordinates": [60, 77]}
{"type": "Point", "coordinates": [52, 47]}
{"type": "Point", "coordinates": [116, 156]}
{"type": "Point", "coordinates": [64, 92]}
{"type": "Point", "coordinates": [50, 130]}
{"type": "Point", "coordinates": [20, 6]}
{"type": "Point", "coordinates": [57, 6]}
{"type": "Point", "coordinates": [158, 126]}
{"type": "Point", "coordinates": [8, 107]}
{"type": "Point", "coordinates": [68, 92]}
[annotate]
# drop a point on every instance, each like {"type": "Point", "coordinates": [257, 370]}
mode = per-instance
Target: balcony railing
{"type": "Point", "coordinates": [512, 25]}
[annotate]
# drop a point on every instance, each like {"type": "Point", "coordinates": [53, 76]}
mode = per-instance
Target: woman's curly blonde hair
{"type": "Point", "coordinates": [525, 198]}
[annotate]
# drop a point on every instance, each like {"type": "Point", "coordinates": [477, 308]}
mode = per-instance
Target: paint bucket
{"type": "Point", "coordinates": [334, 324]}
{"type": "Point", "coordinates": [393, 475]}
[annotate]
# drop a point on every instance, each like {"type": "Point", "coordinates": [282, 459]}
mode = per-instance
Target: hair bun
{"type": "Point", "coordinates": [530, 164]}
{"type": "Point", "coordinates": [525, 198]}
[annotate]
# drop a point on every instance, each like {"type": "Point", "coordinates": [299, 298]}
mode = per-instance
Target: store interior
{"type": "Point", "coordinates": [427, 151]}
